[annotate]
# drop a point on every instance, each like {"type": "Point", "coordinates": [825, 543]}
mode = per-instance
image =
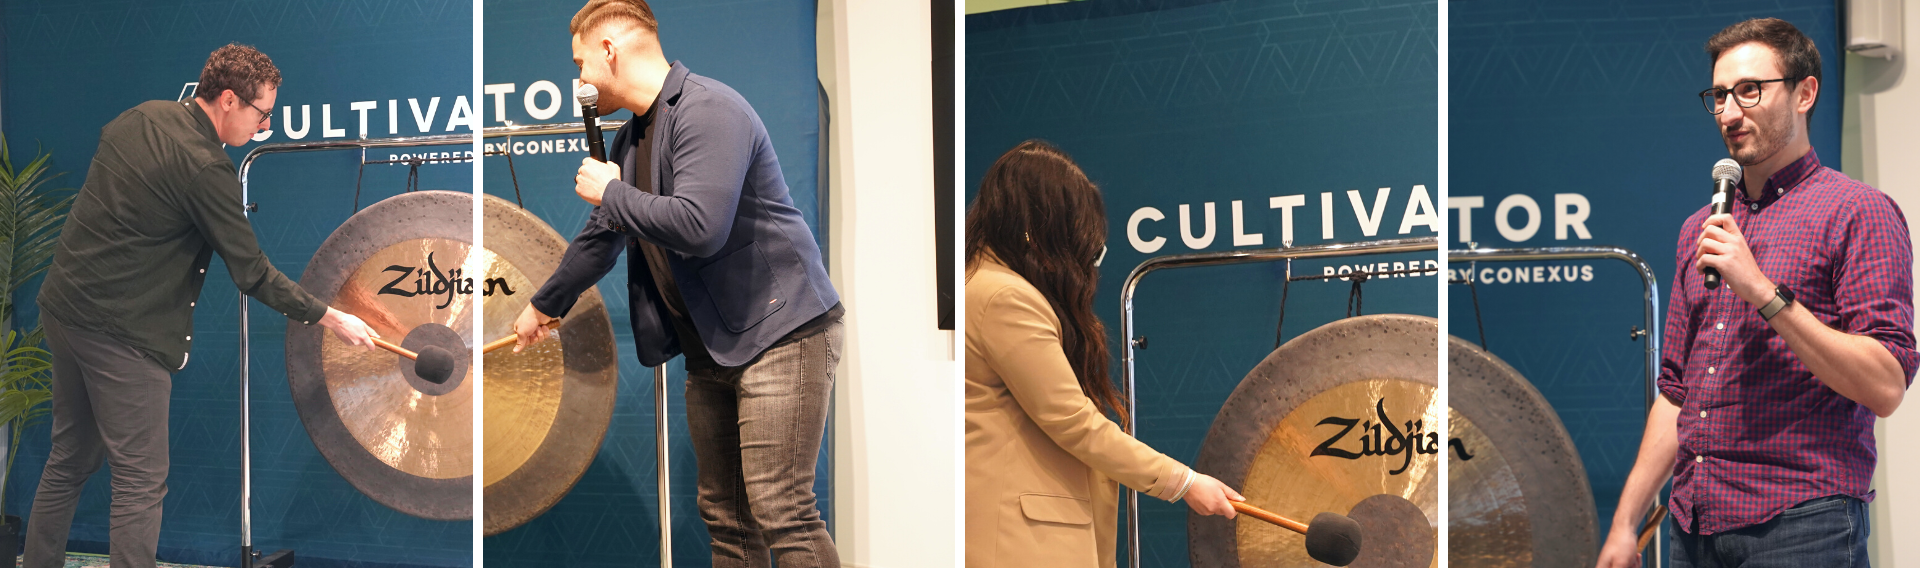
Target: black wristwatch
{"type": "Point", "coordinates": [1782, 296]}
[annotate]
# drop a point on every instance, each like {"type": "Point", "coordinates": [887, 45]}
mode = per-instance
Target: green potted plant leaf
{"type": "Point", "coordinates": [30, 221]}
{"type": "Point", "coordinates": [25, 389]}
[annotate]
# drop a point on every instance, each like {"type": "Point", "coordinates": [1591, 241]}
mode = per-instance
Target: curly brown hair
{"type": "Point", "coordinates": [598, 12]}
{"type": "Point", "coordinates": [238, 68]}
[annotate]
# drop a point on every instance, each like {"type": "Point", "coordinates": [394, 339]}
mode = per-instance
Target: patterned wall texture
{"type": "Point", "coordinates": [72, 66]}
{"type": "Point", "coordinates": [765, 50]}
{"type": "Point", "coordinates": [1595, 100]}
{"type": "Point", "coordinates": [1201, 104]}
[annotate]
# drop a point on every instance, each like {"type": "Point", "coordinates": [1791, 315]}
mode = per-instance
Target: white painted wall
{"type": "Point", "coordinates": [897, 477]}
{"type": "Point", "coordinates": [1879, 143]}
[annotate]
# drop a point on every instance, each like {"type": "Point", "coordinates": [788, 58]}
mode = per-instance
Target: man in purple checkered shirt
{"type": "Point", "coordinates": [1771, 382]}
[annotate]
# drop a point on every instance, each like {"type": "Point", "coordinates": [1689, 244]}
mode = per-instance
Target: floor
{"type": "Point", "coordinates": [78, 560]}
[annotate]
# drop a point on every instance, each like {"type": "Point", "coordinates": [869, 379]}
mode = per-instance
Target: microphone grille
{"type": "Point", "coordinates": [588, 94]}
{"type": "Point", "coordinates": [1726, 169]}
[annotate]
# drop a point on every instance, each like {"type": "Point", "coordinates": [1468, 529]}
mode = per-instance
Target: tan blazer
{"type": "Point", "coordinates": [1041, 458]}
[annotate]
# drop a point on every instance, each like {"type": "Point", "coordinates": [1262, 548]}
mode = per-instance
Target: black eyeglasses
{"type": "Point", "coordinates": [1745, 93]}
{"type": "Point", "coordinates": [265, 115]}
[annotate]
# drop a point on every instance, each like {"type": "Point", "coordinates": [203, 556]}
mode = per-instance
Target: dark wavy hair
{"type": "Point", "coordinates": [1040, 216]}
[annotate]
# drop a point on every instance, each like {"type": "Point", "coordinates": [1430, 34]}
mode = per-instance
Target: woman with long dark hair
{"type": "Point", "coordinates": [1042, 452]}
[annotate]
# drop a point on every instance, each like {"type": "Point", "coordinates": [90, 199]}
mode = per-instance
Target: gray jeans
{"type": "Point", "coordinates": [756, 434]}
{"type": "Point", "coordinates": [110, 404]}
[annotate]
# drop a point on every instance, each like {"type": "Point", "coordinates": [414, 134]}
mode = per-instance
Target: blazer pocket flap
{"type": "Point", "coordinates": [742, 286]}
{"type": "Point", "coordinates": [1057, 509]}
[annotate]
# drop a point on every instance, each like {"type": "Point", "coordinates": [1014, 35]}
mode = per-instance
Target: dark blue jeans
{"type": "Point", "coordinates": [1824, 532]}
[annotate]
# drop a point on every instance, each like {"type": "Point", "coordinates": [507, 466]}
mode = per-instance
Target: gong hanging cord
{"type": "Point", "coordinates": [413, 171]}
{"type": "Point", "coordinates": [1358, 277]}
{"type": "Point", "coordinates": [1279, 327]}
{"type": "Point", "coordinates": [1474, 291]}
{"type": "Point", "coordinates": [506, 150]}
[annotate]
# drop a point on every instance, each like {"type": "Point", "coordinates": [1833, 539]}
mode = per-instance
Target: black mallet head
{"type": "Point", "coordinates": [435, 365]}
{"type": "Point", "coordinates": [1331, 537]}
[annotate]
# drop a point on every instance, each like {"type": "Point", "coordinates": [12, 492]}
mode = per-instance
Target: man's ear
{"type": "Point", "coordinates": [1804, 97]}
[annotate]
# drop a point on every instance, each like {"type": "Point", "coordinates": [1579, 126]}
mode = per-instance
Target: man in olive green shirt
{"type": "Point", "coordinates": [160, 198]}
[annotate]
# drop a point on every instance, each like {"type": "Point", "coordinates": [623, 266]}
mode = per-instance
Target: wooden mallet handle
{"type": "Point", "coordinates": [394, 348]}
{"type": "Point", "coordinates": [509, 339]}
{"type": "Point", "coordinates": [1268, 516]}
{"type": "Point", "coordinates": [1652, 525]}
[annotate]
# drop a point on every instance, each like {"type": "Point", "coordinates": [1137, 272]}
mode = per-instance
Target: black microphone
{"type": "Point", "coordinates": [1726, 172]}
{"type": "Point", "coordinates": [589, 97]}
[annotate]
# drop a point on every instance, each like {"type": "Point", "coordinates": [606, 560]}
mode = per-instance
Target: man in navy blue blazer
{"type": "Point", "coordinates": [721, 268]}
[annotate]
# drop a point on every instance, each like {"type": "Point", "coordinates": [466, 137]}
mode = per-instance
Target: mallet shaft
{"type": "Point", "coordinates": [1652, 525]}
{"type": "Point", "coordinates": [1267, 516]}
{"type": "Point", "coordinates": [395, 348]}
{"type": "Point", "coordinates": [508, 340]}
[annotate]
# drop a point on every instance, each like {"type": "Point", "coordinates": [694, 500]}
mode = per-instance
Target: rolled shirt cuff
{"type": "Point", "coordinates": [1184, 486]}
{"type": "Point", "coordinates": [1168, 485]}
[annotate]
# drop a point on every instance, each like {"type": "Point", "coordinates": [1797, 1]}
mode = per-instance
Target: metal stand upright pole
{"type": "Point", "coordinates": [248, 558]}
{"type": "Point", "coordinates": [660, 449]}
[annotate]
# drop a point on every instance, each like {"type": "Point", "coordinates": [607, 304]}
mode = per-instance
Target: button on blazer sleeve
{"type": "Point", "coordinates": [1021, 339]}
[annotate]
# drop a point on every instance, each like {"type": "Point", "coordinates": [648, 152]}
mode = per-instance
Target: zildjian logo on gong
{"type": "Point", "coordinates": [1380, 438]}
{"type": "Point", "coordinates": [430, 281]}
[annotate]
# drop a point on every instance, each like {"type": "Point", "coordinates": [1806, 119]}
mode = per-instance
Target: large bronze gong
{"type": "Point", "coordinates": [1342, 419]}
{"type": "Point", "coordinates": [547, 407]}
{"type": "Point", "coordinates": [405, 265]}
{"type": "Point", "coordinates": [1517, 494]}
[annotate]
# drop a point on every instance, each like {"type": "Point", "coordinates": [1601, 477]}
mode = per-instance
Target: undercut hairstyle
{"type": "Point", "coordinates": [1040, 216]}
{"type": "Point", "coordinates": [600, 12]}
{"type": "Point", "coordinates": [238, 68]}
{"type": "Point", "coordinates": [1794, 52]}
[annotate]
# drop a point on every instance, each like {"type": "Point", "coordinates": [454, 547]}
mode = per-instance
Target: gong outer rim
{"type": "Point", "coordinates": [1553, 481]}
{"type": "Point", "coordinates": [1377, 343]}
{"type": "Point", "coordinates": [587, 395]}
{"type": "Point", "coordinates": [408, 216]}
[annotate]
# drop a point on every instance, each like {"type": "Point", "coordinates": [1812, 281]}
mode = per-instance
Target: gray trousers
{"type": "Point", "coordinates": [109, 404]}
{"type": "Point", "coordinates": [756, 435]}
